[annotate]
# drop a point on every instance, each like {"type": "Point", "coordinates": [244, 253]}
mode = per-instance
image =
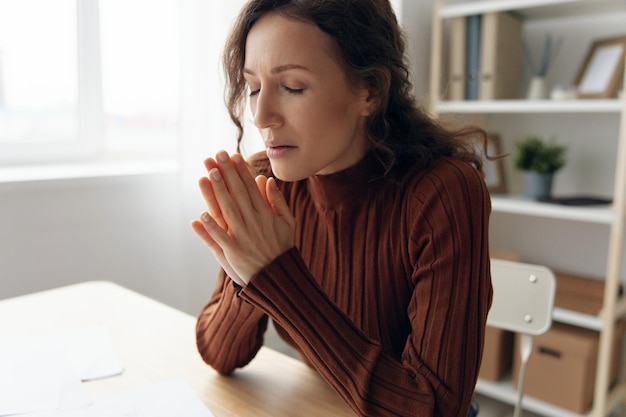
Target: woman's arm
{"type": "Point", "coordinates": [229, 330]}
{"type": "Point", "coordinates": [448, 246]}
{"type": "Point", "coordinates": [437, 372]}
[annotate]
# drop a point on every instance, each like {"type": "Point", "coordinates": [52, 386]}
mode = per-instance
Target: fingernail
{"type": "Point", "coordinates": [237, 159]}
{"type": "Point", "coordinates": [215, 174]}
{"type": "Point", "coordinates": [222, 156]}
{"type": "Point", "coordinates": [273, 184]}
{"type": "Point", "coordinates": [205, 217]}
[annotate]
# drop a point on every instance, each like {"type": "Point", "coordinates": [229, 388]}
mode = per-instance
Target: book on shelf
{"type": "Point", "coordinates": [458, 30]}
{"type": "Point", "coordinates": [501, 56]}
{"type": "Point", "coordinates": [486, 54]}
{"type": "Point", "coordinates": [472, 56]}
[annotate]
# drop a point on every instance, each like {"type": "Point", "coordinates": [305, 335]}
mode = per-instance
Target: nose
{"type": "Point", "coordinates": [266, 110]}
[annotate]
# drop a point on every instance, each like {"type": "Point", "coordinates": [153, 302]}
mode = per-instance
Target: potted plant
{"type": "Point", "coordinates": [539, 161]}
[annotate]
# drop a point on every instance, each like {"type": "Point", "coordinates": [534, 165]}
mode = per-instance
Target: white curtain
{"type": "Point", "coordinates": [205, 126]}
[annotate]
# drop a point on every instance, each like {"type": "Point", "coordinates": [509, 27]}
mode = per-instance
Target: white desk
{"type": "Point", "coordinates": [157, 343]}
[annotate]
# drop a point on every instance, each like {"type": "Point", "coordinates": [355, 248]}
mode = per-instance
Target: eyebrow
{"type": "Point", "coordinates": [280, 68]}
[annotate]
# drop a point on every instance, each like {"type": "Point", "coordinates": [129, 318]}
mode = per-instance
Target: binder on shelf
{"type": "Point", "coordinates": [501, 56]}
{"type": "Point", "coordinates": [472, 57]}
{"type": "Point", "coordinates": [458, 29]}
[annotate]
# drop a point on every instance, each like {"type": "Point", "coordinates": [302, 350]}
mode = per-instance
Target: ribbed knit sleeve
{"type": "Point", "coordinates": [371, 382]}
{"type": "Point", "coordinates": [386, 293]}
{"type": "Point", "coordinates": [229, 330]}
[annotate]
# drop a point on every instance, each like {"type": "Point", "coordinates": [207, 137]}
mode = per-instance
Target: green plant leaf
{"type": "Point", "coordinates": [535, 154]}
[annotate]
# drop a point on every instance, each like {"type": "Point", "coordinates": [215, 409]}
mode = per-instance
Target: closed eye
{"type": "Point", "coordinates": [294, 90]}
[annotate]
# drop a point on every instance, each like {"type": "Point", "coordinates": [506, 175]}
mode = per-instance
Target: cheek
{"type": "Point", "coordinates": [325, 114]}
{"type": "Point", "coordinates": [344, 106]}
{"type": "Point", "coordinates": [252, 107]}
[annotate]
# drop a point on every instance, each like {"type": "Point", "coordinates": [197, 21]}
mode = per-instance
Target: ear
{"type": "Point", "coordinates": [374, 91]}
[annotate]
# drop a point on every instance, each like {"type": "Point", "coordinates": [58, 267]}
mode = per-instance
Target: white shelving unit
{"type": "Point", "coordinates": [612, 218]}
{"type": "Point", "coordinates": [532, 106]}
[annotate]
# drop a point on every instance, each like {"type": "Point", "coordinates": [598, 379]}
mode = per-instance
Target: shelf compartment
{"type": "Point", "coordinates": [519, 205]}
{"type": "Point", "coordinates": [505, 392]}
{"type": "Point", "coordinates": [531, 106]}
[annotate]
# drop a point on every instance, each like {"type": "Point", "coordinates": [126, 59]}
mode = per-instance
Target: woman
{"type": "Point", "coordinates": [365, 236]}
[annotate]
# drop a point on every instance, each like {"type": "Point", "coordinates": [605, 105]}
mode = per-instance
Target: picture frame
{"type": "Point", "coordinates": [602, 68]}
{"type": "Point", "coordinates": [495, 176]}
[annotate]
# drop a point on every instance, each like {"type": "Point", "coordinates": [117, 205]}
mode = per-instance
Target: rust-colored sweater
{"type": "Point", "coordinates": [385, 293]}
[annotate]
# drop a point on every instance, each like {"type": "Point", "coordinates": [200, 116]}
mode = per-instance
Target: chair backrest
{"type": "Point", "coordinates": [523, 297]}
{"type": "Point", "coordinates": [523, 300]}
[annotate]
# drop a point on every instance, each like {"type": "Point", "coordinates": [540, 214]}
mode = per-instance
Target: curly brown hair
{"type": "Point", "coordinates": [371, 49]}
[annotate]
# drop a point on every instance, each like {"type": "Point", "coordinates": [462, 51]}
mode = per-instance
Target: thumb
{"type": "Point", "coordinates": [278, 202]}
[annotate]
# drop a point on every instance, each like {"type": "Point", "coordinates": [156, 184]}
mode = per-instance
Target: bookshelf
{"type": "Point", "coordinates": [511, 117]}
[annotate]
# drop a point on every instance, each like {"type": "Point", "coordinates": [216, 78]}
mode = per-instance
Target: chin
{"type": "Point", "coordinates": [285, 174]}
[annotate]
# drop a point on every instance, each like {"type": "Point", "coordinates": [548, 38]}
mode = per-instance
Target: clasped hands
{"type": "Point", "coordinates": [248, 223]}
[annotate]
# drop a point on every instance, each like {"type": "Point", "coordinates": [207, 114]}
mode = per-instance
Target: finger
{"type": "Point", "coordinates": [220, 240]}
{"type": "Point", "coordinates": [235, 185]}
{"type": "Point", "coordinates": [207, 191]}
{"type": "Point", "coordinates": [199, 229]}
{"type": "Point", "coordinates": [259, 200]}
{"type": "Point", "coordinates": [235, 182]}
{"type": "Point", "coordinates": [278, 203]}
{"type": "Point", "coordinates": [209, 164]}
{"type": "Point", "coordinates": [226, 201]}
{"type": "Point", "coordinates": [212, 204]}
{"type": "Point", "coordinates": [261, 182]}
{"type": "Point", "coordinates": [241, 166]}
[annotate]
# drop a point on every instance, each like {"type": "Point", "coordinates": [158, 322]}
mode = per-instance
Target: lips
{"type": "Point", "coordinates": [275, 150]}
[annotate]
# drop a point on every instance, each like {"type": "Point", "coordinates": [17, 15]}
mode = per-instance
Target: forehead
{"type": "Point", "coordinates": [278, 40]}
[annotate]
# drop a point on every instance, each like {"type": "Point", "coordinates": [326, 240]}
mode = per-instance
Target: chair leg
{"type": "Point", "coordinates": [526, 346]}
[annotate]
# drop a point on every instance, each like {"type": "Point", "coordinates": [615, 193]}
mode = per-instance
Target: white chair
{"type": "Point", "coordinates": [523, 300]}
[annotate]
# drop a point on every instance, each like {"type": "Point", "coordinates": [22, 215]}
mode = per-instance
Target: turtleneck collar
{"type": "Point", "coordinates": [341, 188]}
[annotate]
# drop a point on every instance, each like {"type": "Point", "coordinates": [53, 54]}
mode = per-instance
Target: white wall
{"type": "Point", "coordinates": [122, 229]}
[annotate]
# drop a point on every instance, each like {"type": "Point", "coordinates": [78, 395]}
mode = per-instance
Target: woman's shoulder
{"type": "Point", "coordinates": [259, 163]}
{"type": "Point", "coordinates": [445, 175]}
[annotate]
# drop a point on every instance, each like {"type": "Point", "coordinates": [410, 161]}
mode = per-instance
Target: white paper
{"type": "Point", "coordinates": [28, 383]}
{"type": "Point", "coordinates": [115, 410]}
{"type": "Point", "coordinates": [89, 348]}
{"type": "Point", "coordinates": [165, 399]}
{"type": "Point", "coordinates": [91, 352]}
{"type": "Point", "coordinates": [38, 379]}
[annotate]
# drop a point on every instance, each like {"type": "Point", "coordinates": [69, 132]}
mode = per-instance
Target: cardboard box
{"type": "Point", "coordinates": [497, 354]}
{"type": "Point", "coordinates": [579, 293]}
{"type": "Point", "coordinates": [562, 366]}
{"type": "Point", "coordinates": [501, 253]}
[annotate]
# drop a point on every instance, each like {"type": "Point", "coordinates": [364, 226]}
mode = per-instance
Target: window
{"type": "Point", "coordinates": [38, 71]}
{"type": "Point", "coordinates": [83, 78]}
{"type": "Point", "coordinates": [140, 72]}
